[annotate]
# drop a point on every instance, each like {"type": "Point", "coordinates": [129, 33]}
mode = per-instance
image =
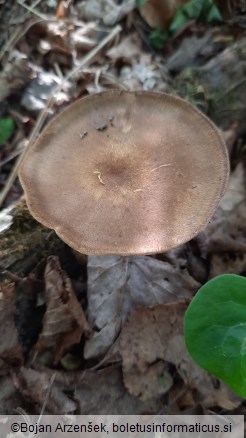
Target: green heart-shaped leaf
{"type": "Point", "coordinates": [215, 329]}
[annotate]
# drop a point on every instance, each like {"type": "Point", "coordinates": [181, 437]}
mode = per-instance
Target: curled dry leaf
{"type": "Point", "coordinates": [155, 336]}
{"type": "Point", "coordinates": [10, 349]}
{"type": "Point", "coordinates": [35, 385]}
{"type": "Point", "coordinates": [64, 320]}
{"type": "Point", "coordinates": [116, 285]}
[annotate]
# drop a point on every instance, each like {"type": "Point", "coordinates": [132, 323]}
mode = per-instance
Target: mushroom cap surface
{"type": "Point", "coordinates": [126, 173]}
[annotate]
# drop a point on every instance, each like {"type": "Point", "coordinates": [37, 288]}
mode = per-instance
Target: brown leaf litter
{"type": "Point", "coordinates": [86, 393]}
{"type": "Point", "coordinates": [151, 339]}
{"type": "Point", "coordinates": [41, 88]}
{"type": "Point", "coordinates": [64, 321]}
{"type": "Point", "coordinates": [94, 397]}
{"type": "Point", "coordinates": [10, 398]}
{"type": "Point", "coordinates": [140, 296]}
{"type": "Point", "coordinates": [117, 285]}
{"type": "Point", "coordinates": [10, 349]}
{"type": "Point", "coordinates": [16, 74]}
{"type": "Point", "coordinates": [224, 238]}
{"type": "Point", "coordinates": [159, 13]}
{"type": "Point", "coordinates": [34, 385]}
{"type": "Point", "coordinates": [109, 11]}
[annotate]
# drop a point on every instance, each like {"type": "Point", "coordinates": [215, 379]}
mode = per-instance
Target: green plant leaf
{"type": "Point", "coordinates": [215, 330]}
{"type": "Point", "coordinates": [7, 127]}
{"type": "Point", "coordinates": [140, 3]}
{"type": "Point", "coordinates": [193, 8]}
{"type": "Point", "coordinates": [157, 38]}
{"type": "Point", "coordinates": [213, 15]}
{"type": "Point", "coordinates": [200, 10]}
{"type": "Point", "coordinates": [180, 19]}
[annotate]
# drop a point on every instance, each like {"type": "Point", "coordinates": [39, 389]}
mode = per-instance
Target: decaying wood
{"type": "Point", "coordinates": [25, 246]}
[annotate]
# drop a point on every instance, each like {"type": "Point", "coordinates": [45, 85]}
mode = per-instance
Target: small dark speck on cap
{"type": "Point", "coordinates": [102, 127]}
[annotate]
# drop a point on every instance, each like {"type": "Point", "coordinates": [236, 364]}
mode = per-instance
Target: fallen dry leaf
{"type": "Point", "coordinates": [155, 335]}
{"type": "Point", "coordinates": [223, 397]}
{"type": "Point", "coordinates": [64, 321]}
{"type": "Point", "coordinates": [117, 285]}
{"type": "Point", "coordinates": [152, 336]}
{"type": "Point", "coordinates": [34, 386]}
{"type": "Point", "coordinates": [129, 49]}
{"type": "Point", "coordinates": [159, 13]}
{"type": "Point", "coordinates": [10, 349]}
{"type": "Point", "coordinates": [94, 397]}
{"type": "Point", "coordinates": [150, 384]}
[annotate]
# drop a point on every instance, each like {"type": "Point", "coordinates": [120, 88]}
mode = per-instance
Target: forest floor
{"type": "Point", "coordinates": [58, 351]}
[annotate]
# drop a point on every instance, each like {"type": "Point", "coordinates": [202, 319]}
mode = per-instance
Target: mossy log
{"type": "Point", "coordinates": [25, 246]}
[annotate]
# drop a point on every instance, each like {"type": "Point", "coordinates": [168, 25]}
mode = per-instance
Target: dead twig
{"type": "Point", "coordinates": [11, 157]}
{"type": "Point", "coordinates": [17, 35]}
{"type": "Point", "coordinates": [32, 10]}
{"type": "Point", "coordinates": [46, 397]}
{"type": "Point", "coordinates": [43, 115]}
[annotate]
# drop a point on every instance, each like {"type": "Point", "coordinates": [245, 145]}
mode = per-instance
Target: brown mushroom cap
{"type": "Point", "coordinates": [126, 173]}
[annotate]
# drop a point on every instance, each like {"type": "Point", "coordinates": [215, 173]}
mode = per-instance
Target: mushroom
{"type": "Point", "coordinates": [126, 173]}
